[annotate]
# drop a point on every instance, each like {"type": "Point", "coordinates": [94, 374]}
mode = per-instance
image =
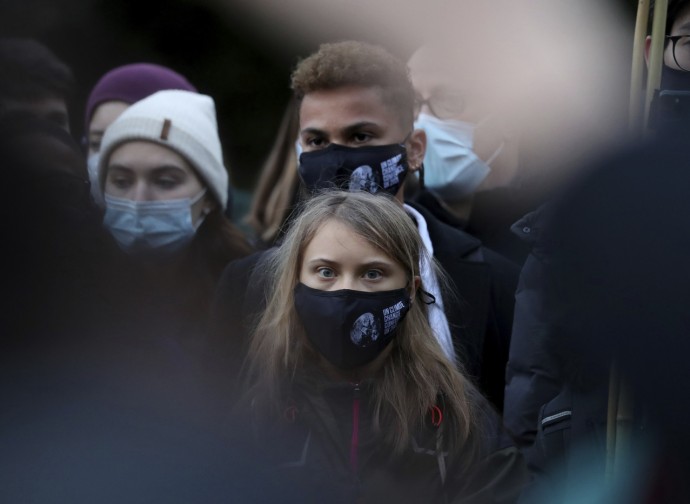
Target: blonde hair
{"type": "Point", "coordinates": [277, 191]}
{"type": "Point", "coordinates": [414, 375]}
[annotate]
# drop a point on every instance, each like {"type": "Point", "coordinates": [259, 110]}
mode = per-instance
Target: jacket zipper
{"type": "Point", "coordinates": [354, 442]}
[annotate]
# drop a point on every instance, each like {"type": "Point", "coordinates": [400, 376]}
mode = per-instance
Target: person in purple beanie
{"type": "Point", "coordinates": [113, 93]}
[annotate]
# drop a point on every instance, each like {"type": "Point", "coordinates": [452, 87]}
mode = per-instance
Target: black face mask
{"type": "Point", "coordinates": [350, 328]}
{"type": "Point", "coordinates": [676, 80]}
{"type": "Point", "coordinates": [669, 114]}
{"type": "Point", "coordinates": [373, 169]}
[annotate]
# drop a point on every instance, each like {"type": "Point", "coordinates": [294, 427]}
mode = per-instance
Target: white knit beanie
{"type": "Point", "coordinates": [180, 120]}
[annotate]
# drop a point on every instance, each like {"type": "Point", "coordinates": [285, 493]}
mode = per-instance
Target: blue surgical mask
{"type": "Point", "coordinates": [451, 168]}
{"type": "Point", "coordinates": [145, 226]}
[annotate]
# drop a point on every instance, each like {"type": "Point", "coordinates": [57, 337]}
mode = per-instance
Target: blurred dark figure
{"type": "Point", "coordinates": [92, 411]}
{"type": "Point", "coordinates": [539, 394]}
{"type": "Point", "coordinates": [51, 227]}
{"type": "Point", "coordinates": [616, 290]}
{"type": "Point", "coordinates": [34, 80]}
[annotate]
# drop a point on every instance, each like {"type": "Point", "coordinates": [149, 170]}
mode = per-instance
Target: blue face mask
{"type": "Point", "coordinates": [146, 226]}
{"type": "Point", "coordinates": [451, 168]}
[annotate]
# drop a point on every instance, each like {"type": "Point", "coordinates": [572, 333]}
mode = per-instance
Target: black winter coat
{"type": "Point", "coordinates": [326, 444]}
{"type": "Point", "coordinates": [533, 373]}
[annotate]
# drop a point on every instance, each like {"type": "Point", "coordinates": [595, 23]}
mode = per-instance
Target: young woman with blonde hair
{"type": "Point", "coordinates": [346, 384]}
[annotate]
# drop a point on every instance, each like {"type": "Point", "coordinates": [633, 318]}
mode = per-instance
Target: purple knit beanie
{"type": "Point", "coordinates": [131, 83]}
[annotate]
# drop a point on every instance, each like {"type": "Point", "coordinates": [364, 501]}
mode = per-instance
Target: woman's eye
{"type": "Point", "coordinates": [325, 272]}
{"type": "Point", "coordinates": [373, 275]}
{"type": "Point", "coordinates": [121, 182]}
{"type": "Point", "coordinates": [361, 137]}
{"type": "Point", "coordinates": [316, 143]}
{"type": "Point", "coordinates": [167, 182]}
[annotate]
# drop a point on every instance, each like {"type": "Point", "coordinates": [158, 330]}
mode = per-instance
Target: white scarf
{"type": "Point", "coordinates": [437, 317]}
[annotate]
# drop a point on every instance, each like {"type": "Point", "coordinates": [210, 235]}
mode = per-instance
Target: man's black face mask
{"type": "Point", "coordinates": [676, 80]}
{"type": "Point", "coordinates": [373, 169]}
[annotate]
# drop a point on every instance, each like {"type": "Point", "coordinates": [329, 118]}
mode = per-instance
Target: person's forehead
{"type": "Point", "coordinates": [105, 114]}
{"type": "Point", "coordinates": [339, 107]}
{"type": "Point", "coordinates": [143, 153]}
{"type": "Point", "coordinates": [436, 66]}
{"type": "Point", "coordinates": [334, 235]}
{"type": "Point", "coordinates": [350, 96]}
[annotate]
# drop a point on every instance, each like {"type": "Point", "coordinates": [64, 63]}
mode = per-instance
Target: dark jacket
{"type": "Point", "coordinates": [613, 294]}
{"type": "Point", "coordinates": [533, 374]}
{"type": "Point", "coordinates": [491, 214]}
{"type": "Point", "coordinates": [326, 442]}
{"type": "Point", "coordinates": [480, 317]}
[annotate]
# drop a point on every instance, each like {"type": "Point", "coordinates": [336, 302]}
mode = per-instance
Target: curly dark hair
{"type": "Point", "coordinates": [352, 63]}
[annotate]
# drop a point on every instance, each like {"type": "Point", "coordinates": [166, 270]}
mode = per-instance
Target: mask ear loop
{"type": "Point", "coordinates": [427, 297]}
{"type": "Point", "coordinates": [500, 148]}
{"type": "Point", "coordinates": [204, 211]}
{"type": "Point", "coordinates": [496, 153]}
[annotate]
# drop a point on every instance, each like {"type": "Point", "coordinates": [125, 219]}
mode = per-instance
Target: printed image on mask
{"type": "Point", "coordinates": [451, 167]}
{"type": "Point", "coordinates": [350, 328]}
{"type": "Point", "coordinates": [145, 226]}
{"type": "Point", "coordinates": [364, 330]}
{"type": "Point", "coordinates": [373, 169]}
{"type": "Point", "coordinates": [362, 179]}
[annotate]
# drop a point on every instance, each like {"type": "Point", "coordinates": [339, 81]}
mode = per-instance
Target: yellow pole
{"type": "Point", "coordinates": [656, 53]}
{"type": "Point", "coordinates": [624, 425]}
{"type": "Point", "coordinates": [635, 110]}
{"type": "Point", "coordinates": [611, 423]}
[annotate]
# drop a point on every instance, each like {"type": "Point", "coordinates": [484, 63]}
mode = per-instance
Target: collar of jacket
{"type": "Point", "coordinates": [462, 243]}
{"type": "Point", "coordinates": [533, 229]}
{"type": "Point", "coordinates": [313, 379]}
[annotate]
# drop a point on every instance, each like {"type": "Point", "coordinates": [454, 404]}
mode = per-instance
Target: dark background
{"type": "Point", "coordinates": [222, 48]}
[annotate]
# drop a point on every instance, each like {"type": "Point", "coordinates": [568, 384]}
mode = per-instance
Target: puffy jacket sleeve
{"type": "Point", "coordinates": [533, 372]}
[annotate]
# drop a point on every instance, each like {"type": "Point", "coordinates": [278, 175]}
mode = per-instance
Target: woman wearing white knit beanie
{"type": "Point", "coordinates": [165, 188]}
{"type": "Point", "coordinates": [164, 148]}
